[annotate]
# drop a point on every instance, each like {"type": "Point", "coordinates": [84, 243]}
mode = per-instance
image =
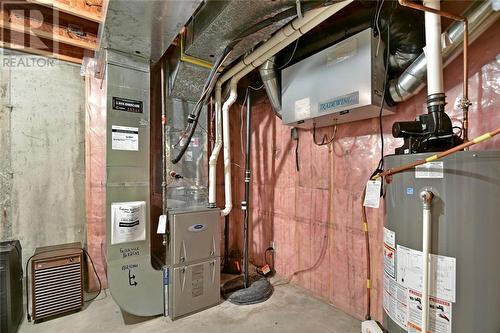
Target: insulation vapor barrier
{"type": "Point", "coordinates": [95, 157]}
{"type": "Point", "coordinates": [314, 215]}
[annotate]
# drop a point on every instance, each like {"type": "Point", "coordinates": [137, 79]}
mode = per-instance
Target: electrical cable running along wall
{"type": "Point", "coordinates": [291, 208]}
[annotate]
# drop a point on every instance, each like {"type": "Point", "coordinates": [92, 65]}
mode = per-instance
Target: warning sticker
{"type": "Point", "coordinates": [442, 279]}
{"type": "Point", "coordinates": [439, 314]}
{"type": "Point", "coordinates": [395, 301]}
{"type": "Point", "coordinates": [429, 170]}
{"type": "Point", "coordinates": [129, 222]}
{"type": "Point", "coordinates": [125, 138]}
{"type": "Point", "coordinates": [390, 252]}
{"type": "Point", "coordinates": [389, 261]}
{"type": "Point", "coordinates": [303, 108]}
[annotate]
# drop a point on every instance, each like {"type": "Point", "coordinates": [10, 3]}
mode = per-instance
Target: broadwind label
{"type": "Point", "coordinates": [339, 102]}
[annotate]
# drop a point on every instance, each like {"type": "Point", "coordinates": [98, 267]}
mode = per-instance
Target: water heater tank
{"type": "Point", "coordinates": [465, 270]}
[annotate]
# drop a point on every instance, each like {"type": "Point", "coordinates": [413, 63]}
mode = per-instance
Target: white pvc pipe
{"type": "Point", "coordinates": [212, 172]}
{"type": "Point", "coordinates": [279, 41]}
{"type": "Point", "coordinates": [275, 39]}
{"type": "Point", "coordinates": [426, 250]}
{"type": "Point", "coordinates": [227, 148]}
{"type": "Point", "coordinates": [433, 49]}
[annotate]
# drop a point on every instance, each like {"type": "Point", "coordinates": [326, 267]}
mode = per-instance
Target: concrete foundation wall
{"type": "Point", "coordinates": [42, 151]}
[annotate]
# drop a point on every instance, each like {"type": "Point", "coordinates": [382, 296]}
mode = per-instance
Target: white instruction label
{"type": "Point", "coordinates": [395, 301]}
{"type": "Point", "coordinates": [303, 108]}
{"type": "Point", "coordinates": [439, 314]}
{"type": "Point", "coordinates": [162, 225]}
{"type": "Point", "coordinates": [125, 138]}
{"type": "Point", "coordinates": [128, 221]}
{"type": "Point", "coordinates": [342, 51]}
{"type": "Point", "coordinates": [430, 170]}
{"type": "Point", "coordinates": [442, 273]}
{"type": "Point", "coordinates": [372, 196]}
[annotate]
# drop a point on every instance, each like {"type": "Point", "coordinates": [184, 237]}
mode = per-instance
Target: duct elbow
{"type": "Point", "coordinates": [268, 74]}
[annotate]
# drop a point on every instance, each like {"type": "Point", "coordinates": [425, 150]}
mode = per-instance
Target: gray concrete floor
{"type": "Point", "coordinates": [290, 309]}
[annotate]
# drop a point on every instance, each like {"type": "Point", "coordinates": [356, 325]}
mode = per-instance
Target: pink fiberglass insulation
{"type": "Point", "coordinates": [314, 215]}
{"type": "Point", "coordinates": [95, 161]}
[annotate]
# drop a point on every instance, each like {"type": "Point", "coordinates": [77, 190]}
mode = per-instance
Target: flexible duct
{"type": "Point", "coordinates": [406, 34]}
{"type": "Point", "coordinates": [480, 16]}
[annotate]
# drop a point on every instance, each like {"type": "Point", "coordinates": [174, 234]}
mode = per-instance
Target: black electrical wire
{"type": "Point", "coordinates": [380, 166]}
{"type": "Point", "coordinates": [207, 90]}
{"type": "Point", "coordinates": [194, 116]}
{"type": "Point", "coordinates": [28, 315]}
{"type": "Point", "coordinates": [297, 164]}
{"type": "Point", "coordinates": [325, 140]}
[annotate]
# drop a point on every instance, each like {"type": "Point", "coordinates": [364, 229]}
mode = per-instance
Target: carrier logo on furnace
{"type": "Point", "coordinates": [197, 227]}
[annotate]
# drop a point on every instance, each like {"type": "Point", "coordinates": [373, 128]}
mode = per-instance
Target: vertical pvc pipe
{"type": "Point", "coordinates": [426, 250]}
{"type": "Point", "coordinates": [280, 40]}
{"type": "Point", "coordinates": [226, 138]}
{"type": "Point", "coordinates": [212, 173]}
{"type": "Point", "coordinates": [433, 49]}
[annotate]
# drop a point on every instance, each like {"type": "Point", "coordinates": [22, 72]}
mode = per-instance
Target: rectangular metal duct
{"type": "Point", "coordinates": [145, 28]}
{"type": "Point", "coordinates": [211, 29]}
{"type": "Point", "coordinates": [57, 280]}
{"type": "Point", "coordinates": [340, 84]}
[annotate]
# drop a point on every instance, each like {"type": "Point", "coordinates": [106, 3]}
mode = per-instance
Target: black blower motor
{"type": "Point", "coordinates": [431, 132]}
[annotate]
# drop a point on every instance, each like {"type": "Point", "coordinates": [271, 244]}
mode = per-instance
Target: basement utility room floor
{"type": "Point", "coordinates": [290, 309]}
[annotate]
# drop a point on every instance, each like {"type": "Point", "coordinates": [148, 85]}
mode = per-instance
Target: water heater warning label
{"type": "Point", "coordinates": [442, 273]}
{"type": "Point", "coordinates": [439, 314]}
{"type": "Point", "coordinates": [124, 138]}
{"type": "Point", "coordinates": [430, 170]}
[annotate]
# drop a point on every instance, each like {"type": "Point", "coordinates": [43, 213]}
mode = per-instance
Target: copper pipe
{"type": "Point", "coordinates": [367, 255]}
{"type": "Point", "coordinates": [463, 146]}
{"type": "Point", "coordinates": [464, 102]}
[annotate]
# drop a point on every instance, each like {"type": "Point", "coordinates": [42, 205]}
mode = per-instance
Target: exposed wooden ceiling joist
{"type": "Point", "coordinates": [62, 29]}
{"type": "Point", "coordinates": [61, 34]}
{"type": "Point", "coordinates": [21, 48]}
{"type": "Point", "coordinates": [80, 8]}
{"type": "Point", "coordinates": [40, 46]}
